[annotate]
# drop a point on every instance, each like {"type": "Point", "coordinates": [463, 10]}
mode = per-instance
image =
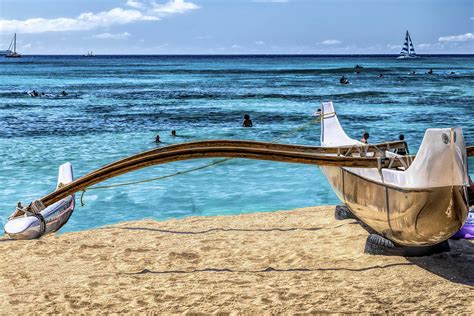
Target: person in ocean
{"type": "Point", "coordinates": [173, 133]}
{"type": "Point", "coordinates": [34, 93]}
{"type": "Point", "coordinates": [343, 80]}
{"type": "Point", "coordinates": [63, 93]}
{"type": "Point", "coordinates": [381, 76]}
{"type": "Point", "coordinates": [247, 122]}
{"type": "Point", "coordinates": [430, 72]}
{"type": "Point", "coordinates": [365, 138]}
{"type": "Point", "coordinates": [157, 139]}
{"type": "Point", "coordinates": [402, 151]}
{"type": "Point", "coordinates": [413, 72]}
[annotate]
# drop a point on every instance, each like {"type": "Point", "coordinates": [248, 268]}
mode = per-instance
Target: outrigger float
{"type": "Point", "coordinates": [406, 202]}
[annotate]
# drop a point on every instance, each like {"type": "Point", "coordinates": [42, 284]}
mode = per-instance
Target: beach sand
{"type": "Point", "coordinates": [300, 261]}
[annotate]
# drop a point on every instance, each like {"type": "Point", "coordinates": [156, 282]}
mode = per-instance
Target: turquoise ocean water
{"type": "Point", "coordinates": [117, 104]}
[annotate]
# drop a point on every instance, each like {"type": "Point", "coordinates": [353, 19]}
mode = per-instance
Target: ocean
{"type": "Point", "coordinates": [116, 105]}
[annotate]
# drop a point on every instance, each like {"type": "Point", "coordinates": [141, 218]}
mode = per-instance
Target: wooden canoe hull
{"type": "Point", "coordinates": [409, 217]}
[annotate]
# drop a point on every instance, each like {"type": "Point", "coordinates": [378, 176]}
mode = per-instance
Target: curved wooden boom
{"type": "Point", "coordinates": [226, 149]}
{"type": "Point", "coordinates": [266, 145]}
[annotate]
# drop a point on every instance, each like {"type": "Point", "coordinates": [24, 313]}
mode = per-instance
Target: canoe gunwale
{"type": "Point", "coordinates": [394, 187]}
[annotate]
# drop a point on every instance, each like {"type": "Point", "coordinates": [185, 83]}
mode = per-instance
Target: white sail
{"type": "Point", "coordinates": [408, 50]}
{"type": "Point", "coordinates": [411, 48]}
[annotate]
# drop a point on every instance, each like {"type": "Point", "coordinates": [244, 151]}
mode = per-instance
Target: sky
{"type": "Point", "coordinates": [236, 26]}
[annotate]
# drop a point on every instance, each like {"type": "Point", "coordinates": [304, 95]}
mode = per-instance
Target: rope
{"type": "Point", "coordinates": [188, 170]}
{"type": "Point", "coordinates": [153, 179]}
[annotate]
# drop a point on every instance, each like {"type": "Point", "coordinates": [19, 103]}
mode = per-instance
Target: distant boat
{"type": "Point", "coordinates": [408, 51]}
{"type": "Point", "coordinates": [12, 53]}
{"type": "Point", "coordinates": [89, 54]}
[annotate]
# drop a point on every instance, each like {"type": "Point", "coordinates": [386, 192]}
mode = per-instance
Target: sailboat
{"type": "Point", "coordinates": [12, 53]}
{"type": "Point", "coordinates": [408, 51]}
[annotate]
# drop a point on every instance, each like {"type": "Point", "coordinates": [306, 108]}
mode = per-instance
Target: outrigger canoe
{"type": "Point", "coordinates": [422, 204]}
{"type": "Point", "coordinates": [411, 202]}
{"type": "Point", "coordinates": [33, 225]}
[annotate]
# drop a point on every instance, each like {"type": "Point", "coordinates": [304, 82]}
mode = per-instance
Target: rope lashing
{"type": "Point", "coordinates": [34, 209]}
{"type": "Point", "coordinates": [318, 119]}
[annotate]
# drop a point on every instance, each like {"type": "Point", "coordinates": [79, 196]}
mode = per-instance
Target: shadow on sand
{"type": "Point", "coordinates": [455, 266]}
{"type": "Point", "coordinates": [270, 269]}
{"type": "Point", "coordinates": [217, 230]}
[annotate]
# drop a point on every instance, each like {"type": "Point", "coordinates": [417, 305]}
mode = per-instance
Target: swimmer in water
{"type": "Point", "coordinates": [402, 151]}
{"type": "Point", "coordinates": [365, 138]}
{"type": "Point", "coordinates": [343, 80]}
{"type": "Point", "coordinates": [247, 122]}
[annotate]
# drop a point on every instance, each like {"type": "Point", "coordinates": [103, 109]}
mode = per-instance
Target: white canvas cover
{"type": "Point", "coordinates": [441, 160]}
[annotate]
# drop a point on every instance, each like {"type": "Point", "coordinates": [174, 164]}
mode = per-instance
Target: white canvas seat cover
{"type": "Point", "coordinates": [441, 159]}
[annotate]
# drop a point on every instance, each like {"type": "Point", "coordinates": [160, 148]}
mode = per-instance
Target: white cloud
{"type": "Point", "coordinates": [173, 7]}
{"type": "Point", "coordinates": [331, 42]}
{"type": "Point", "coordinates": [88, 21]}
{"type": "Point", "coordinates": [135, 4]}
{"type": "Point", "coordinates": [260, 42]}
{"type": "Point", "coordinates": [457, 38]}
{"type": "Point", "coordinates": [117, 36]}
{"type": "Point", "coordinates": [394, 46]}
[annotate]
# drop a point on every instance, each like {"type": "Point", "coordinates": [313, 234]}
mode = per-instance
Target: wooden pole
{"type": "Point", "coordinates": [377, 148]}
{"type": "Point", "coordinates": [214, 149]}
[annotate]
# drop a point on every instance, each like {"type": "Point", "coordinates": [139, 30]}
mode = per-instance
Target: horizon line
{"type": "Point", "coordinates": [250, 54]}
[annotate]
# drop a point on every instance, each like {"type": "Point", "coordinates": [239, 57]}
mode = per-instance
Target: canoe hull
{"type": "Point", "coordinates": [54, 216]}
{"type": "Point", "coordinates": [409, 217]}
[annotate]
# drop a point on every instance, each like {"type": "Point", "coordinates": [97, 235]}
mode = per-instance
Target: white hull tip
{"type": "Point", "coordinates": [52, 218]}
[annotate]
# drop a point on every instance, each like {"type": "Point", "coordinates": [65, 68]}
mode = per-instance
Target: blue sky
{"type": "Point", "coordinates": [236, 26]}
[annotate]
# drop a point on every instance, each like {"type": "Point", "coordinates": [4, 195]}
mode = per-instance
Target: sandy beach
{"type": "Point", "coordinates": [300, 261]}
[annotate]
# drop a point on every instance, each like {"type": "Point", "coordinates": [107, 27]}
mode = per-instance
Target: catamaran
{"type": "Point", "coordinates": [11, 52]}
{"type": "Point", "coordinates": [408, 50]}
